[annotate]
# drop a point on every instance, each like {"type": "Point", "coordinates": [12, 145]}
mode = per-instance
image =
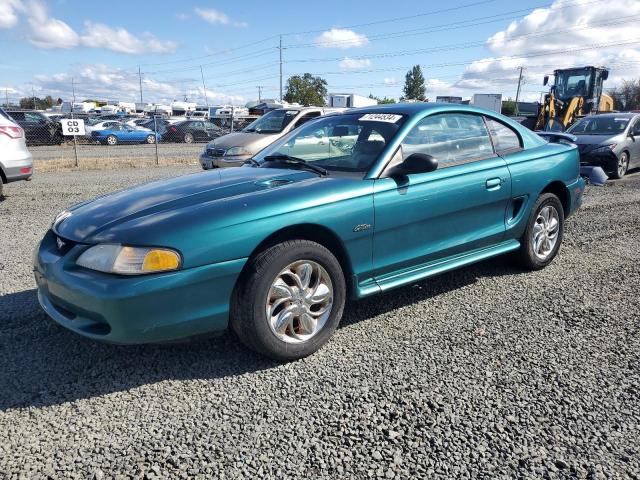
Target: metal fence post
{"type": "Point", "coordinates": [231, 118]}
{"type": "Point", "coordinates": [155, 131]}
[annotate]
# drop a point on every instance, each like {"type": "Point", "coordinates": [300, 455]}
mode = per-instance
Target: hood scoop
{"type": "Point", "coordinates": [274, 182]}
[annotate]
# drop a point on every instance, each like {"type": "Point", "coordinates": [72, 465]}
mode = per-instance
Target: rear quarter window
{"type": "Point", "coordinates": [505, 140]}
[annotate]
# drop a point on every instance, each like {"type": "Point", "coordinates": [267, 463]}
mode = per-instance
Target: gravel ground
{"type": "Point", "coordinates": [166, 152]}
{"type": "Point", "coordinates": [485, 372]}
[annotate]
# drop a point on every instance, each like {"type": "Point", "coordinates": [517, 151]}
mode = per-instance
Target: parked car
{"type": "Point", "coordinates": [235, 148]}
{"type": "Point", "coordinates": [122, 133]}
{"type": "Point", "coordinates": [274, 249]}
{"type": "Point", "coordinates": [137, 122]}
{"type": "Point", "coordinates": [15, 160]}
{"type": "Point", "coordinates": [189, 131]}
{"type": "Point", "coordinates": [158, 125]}
{"type": "Point", "coordinates": [98, 124]}
{"type": "Point", "coordinates": [610, 141]}
{"type": "Point", "coordinates": [38, 129]}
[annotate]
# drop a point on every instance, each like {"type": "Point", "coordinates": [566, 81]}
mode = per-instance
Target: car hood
{"type": "Point", "coordinates": [253, 142]}
{"type": "Point", "coordinates": [150, 203]}
{"type": "Point", "coordinates": [588, 143]}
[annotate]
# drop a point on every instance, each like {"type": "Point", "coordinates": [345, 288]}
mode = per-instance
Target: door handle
{"type": "Point", "coordinates": [493, 183]}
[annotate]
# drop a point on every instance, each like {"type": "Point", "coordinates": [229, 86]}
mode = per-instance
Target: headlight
{"type": "Point", "coordinates": [129, 260]}
{"type": "Point", "coordinates": [604, 148]}
{"type": "Point", "coordinates": [233, 151]}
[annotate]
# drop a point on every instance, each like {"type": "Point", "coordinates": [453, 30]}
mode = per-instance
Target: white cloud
{"type": "Point", "coordinates": [577, 27]}
{"type": "Point", "coordinates": [390, 81]}
{"type": "Point", "coordinates": [120, 40]}
{"type": "Point", "coordinates": [49, 32]}
{"type": "Point", "coordinates": [354, 63]}
{"type": "Point", "coordinates": [9, 12]}
{"type": "Point", "coordinates": [217, 17]}
{"type": "Point", "coordinates": [107, 83]}
{"type": "Point", "coordinates": [340, 38]}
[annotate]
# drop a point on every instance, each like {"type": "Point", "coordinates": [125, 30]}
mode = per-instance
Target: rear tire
{"type": "Point", "coordinates": [1, 187]}
{"type": "Point", "coordinates": [541, 240]}
{"type": "Point", "coordinates": [151, 139]}
{"type": "Point", "coordinates": [188, 138]}
{"type": "Point", "coordinates": [289, 300]}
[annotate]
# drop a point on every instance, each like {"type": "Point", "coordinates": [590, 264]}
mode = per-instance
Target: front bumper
{"type": "Point", "coordinates": [19, 169]}
{"type": "Point", "coordinates": [600, 159]}
{"type": "Point", "coordinates": [132, 309]}
{"type": "Point", "coordinates": [208, 162]}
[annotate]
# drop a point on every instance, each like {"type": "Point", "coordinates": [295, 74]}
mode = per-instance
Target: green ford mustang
{"type": "Point", "coordinates": [346, 206]}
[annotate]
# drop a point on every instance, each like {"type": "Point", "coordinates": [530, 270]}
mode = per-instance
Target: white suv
{"type": "Point", "coordinates": [15, 160]}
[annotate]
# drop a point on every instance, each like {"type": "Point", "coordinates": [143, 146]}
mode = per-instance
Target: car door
{"type": "Point", "coordinates": [634, 143]}
{"type": "Point", "coordinates": [197, 129]}
{"type": "Point", "coordinates": [457, 208]}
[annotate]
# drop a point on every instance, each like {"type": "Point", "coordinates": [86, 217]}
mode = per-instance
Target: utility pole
{"type": "Point", "coordinates": [6, 97]}
{"type": "Point", "coordinates": [204, 88]}
{"type": "Point", "coordinates": [518, 91]}
{"type": "Point", "coordinates": [33, 94]}
{"type": "Point", "coordinates": [259, 94]}
{"type": "Point", "coordinates": [280, 48]}
{"type": "Point", "coordinates": [140, 80]}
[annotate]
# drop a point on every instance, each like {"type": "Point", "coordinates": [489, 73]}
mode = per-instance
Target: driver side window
{"type": "Point", "coordinates": [451, 138]}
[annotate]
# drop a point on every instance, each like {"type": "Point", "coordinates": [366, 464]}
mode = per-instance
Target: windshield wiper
{"type": "Point", "coordinates": [296, 161]}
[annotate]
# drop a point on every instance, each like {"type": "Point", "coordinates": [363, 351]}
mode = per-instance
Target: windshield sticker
{"type": "Point", "coordinates": [380, 117]}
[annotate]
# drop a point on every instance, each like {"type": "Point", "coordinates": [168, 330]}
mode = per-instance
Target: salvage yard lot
{"type": "Point", "coordinates": [484, 371]}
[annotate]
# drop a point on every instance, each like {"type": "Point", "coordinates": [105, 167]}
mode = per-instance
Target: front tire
{"type": "Point", "coordinates": [188, 138]}
{"type": "Point", "coordinates": [112, 140]}
{"type": "Point", "coordinates": [619, 168]}
{"type": "Point", "coordinates": [543, 236]}
{"type": "Point", "coordinates": [289, 300]}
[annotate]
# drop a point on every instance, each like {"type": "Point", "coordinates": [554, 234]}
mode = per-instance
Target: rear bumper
{"type": "Point", "coordinates": [18, 169]}
{"type": "Point", "coordinates": [133, 309]}
{"type": "Point", "coordinates": [576, 192]}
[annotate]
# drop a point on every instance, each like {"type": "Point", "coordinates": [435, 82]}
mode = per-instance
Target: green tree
{"type": "Point", "coordinates": [414, 88]}
{"type": "Point", "coordinates": [306, 90]}
{"type": "Point", "coordinates": [382, 101]}
{"type": "Point", "coordinates": [509, 107]}
{"type": "Point", "coordinates": [37, 103]}
{"type": "Point", "coordinates": [627, 95]}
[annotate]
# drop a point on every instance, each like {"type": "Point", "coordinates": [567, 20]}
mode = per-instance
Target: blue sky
{"type": "Point", "coordinates": [464, 46]}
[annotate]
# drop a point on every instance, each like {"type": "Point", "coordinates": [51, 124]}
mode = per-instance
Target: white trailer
{"type": "Point", "coordinates": [349, 100]}
{"type": "Point", "coordinates": [490, 101]}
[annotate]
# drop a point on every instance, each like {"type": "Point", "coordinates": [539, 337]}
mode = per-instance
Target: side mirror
{"type": "Point", "coordinates": [605, 74]}
{"type": "Point", "coordinates": [546, 80]}
{"type": "Point", "coordinates": [414, 163]}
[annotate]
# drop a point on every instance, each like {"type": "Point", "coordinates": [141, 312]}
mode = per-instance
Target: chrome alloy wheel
{"type": "Point", "coordinates": [299, 301]}
{"type": "Point", "coordinates": [623, 164]}
{"type": "Point", "coordinates": [545, 232]}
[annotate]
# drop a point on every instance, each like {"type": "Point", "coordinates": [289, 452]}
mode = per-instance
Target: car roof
{"type": "Point", "coordinates": [616, 115]}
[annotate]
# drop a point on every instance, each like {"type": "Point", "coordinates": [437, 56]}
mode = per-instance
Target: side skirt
{"type": "Point", "coordinates": [420, 272]}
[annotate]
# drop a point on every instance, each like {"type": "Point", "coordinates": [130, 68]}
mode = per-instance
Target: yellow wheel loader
{"type": "Point", "coordinates": [575, 92]}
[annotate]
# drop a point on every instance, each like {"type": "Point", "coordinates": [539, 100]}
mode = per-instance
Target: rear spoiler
{"type": "Point", "coordinates": [594, 175]}
{"type": "Point", "coordinates": [557, 137]}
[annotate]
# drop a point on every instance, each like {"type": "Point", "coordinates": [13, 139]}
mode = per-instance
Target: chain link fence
{"type": "Point", "coordinates": [132, 140]}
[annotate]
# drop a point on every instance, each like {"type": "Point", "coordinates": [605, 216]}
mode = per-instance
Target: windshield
{"type": "Point", "coordinates": [573, 83]}
{"type": "Point", "coordinates": [347, 142]}
{"type": "Point", "coordinates": [272, 122]}
{"type": "Point", "coordinates": [600, 126]}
